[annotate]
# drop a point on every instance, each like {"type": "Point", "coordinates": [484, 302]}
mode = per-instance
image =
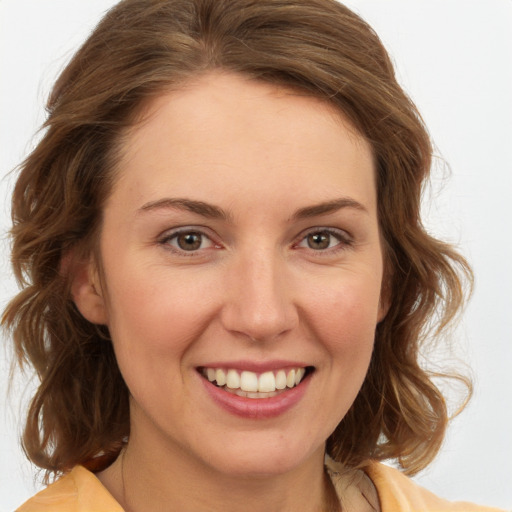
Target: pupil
{"type": "Point", "coordinates": [318, 241]}
{"type": "Point", "coordinates": [189, 241]}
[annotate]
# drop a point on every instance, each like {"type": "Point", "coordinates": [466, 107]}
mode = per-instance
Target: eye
{"type": "Point", "coordinates": [325, 239]}
{"type": "Point", "coordinates": [187, 240]}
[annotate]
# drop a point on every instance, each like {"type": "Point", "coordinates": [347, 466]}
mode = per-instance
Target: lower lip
{"type": "Point", "coordinates": [256, 408]}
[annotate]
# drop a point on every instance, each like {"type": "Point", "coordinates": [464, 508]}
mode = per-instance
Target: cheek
{"type": "Point", "coordinates": [154, 321]}
{"type": "Point", "coordinates": [347, 312]}
{"type": "Point", "coordinates": [155, 311]}
{"type": "Point", "coordinates": [343, 320]}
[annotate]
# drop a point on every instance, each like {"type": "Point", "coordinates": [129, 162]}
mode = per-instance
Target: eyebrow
{"type": "Point", "coordinates": [214, 212]}
{"type": "Point", "coordinates": [200, 207]}
{"type": "Point", "coordinates": [328, 207]}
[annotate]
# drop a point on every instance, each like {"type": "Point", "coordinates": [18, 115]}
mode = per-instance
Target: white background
{"type": "Point", "coordinates": [454, 57]}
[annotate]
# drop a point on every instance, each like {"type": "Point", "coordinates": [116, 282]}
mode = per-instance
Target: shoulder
{"type": "Point", "coordinates": [77, 491]}
{"type": "Point", "coordinates": [398, 493]}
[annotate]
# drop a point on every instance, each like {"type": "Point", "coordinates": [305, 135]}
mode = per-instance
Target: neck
{"type": "Point", "coordinates": [174, 481]}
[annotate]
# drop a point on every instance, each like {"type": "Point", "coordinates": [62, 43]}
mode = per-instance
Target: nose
{"type": "Point", "coordinates": [259, 297]}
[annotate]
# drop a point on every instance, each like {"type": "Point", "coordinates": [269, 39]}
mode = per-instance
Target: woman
{"type": "Point", "coordinates": [227, 276]}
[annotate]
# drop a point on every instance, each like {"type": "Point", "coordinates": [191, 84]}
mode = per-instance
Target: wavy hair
{"type": "Point", "coordinates": [142, 48]}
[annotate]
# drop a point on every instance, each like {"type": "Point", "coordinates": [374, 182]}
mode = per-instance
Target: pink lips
{"type": "Point", "coordinates": [256, 408]}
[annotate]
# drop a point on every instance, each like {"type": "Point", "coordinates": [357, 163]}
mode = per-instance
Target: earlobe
{"type": "Point", "coordinates": [384, 301]}
{"type": "Point", "coordinates": [86, 291]}
{"type": "Point", "coordinates": [383, 309]}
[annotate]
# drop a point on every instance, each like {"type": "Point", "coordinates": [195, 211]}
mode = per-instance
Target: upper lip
{"type": "Point", "coordinates": [256, 366]}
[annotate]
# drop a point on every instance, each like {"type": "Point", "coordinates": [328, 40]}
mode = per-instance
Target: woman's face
{"type": "Point", "coordinates": [241, 243]}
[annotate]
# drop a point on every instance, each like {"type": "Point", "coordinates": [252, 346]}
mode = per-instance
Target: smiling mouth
{"type": "Point", "coordinates": [253, 385]}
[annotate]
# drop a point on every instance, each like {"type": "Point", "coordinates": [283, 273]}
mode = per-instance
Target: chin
{"type": "Point", "coordinates": [262, 458]}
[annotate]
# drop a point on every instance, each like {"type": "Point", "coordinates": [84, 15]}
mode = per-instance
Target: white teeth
{"type": "Point", "coordinates": [220, 377]}
{"type": "Point", "coordinates": [290, 379]}
{"type": "Point", "coordinates": [250, 384]}
{"type": "Point", "coordinates": [280, 379]}
{"type": "Point", "coordinates": [233, 379]}
{"type": "Point", "coordinates": [267, 382]}
{"type": "Point", "coordinates": [248, 381]}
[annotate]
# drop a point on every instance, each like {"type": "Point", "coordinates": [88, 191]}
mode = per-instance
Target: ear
{"type": "Point", "coordinates": [384, 304]}
{"type": "Point", "coordinates": [86, 289]}
{"type": "Point", "coordinates": [385, 297]}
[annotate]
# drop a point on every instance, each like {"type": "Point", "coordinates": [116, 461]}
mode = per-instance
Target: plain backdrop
{"type": "Point", "coordinates": [454, 57]}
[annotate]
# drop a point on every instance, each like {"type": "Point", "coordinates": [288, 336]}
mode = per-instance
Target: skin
{"type": "Point", "coordinates": [254, 290]}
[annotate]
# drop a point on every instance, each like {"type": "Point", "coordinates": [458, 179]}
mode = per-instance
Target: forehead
{"type": "Point", "coordinates": [225, 131]}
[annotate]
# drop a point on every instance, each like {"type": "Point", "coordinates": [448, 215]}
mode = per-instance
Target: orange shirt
{"type": "Point", "coordinates": [386, 490]}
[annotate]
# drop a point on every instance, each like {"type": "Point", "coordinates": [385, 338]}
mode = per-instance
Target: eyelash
{"type": "Point", "coordinates": [344, 241]}
{"type": "Point", "coordinates": [166, 239]}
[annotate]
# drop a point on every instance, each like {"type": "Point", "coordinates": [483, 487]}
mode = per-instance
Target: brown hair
{"type": "Point", "coordinates": [80, 414]}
